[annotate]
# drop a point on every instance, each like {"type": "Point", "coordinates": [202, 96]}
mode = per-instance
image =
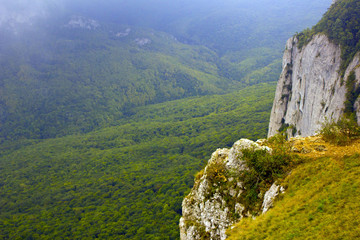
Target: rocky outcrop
{"type": "Point", "coordinates": [214, 204]}
{"type": "Point", "coordinates": [310, 87]}
{"type": "Point", "coordinates": [270, 197]}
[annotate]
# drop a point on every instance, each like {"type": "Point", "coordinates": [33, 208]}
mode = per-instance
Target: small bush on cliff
{"type": "Point", "coordinates": [216, 172]}
{"type": "Point", "coordinates": [340, 132]}
{"type": "Point", "coordinates": [264, 168]}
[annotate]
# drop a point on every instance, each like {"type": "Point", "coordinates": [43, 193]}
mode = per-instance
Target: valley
{"type": "Point", "coordinates": [108, 110]}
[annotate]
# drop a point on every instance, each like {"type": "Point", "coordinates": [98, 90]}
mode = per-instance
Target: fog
{"type": "Point", "coordinates": [190, 21]}
{"type": "Point", "coordinates": [24, 11]}
{"type": "Point", "coordinates": [150, 12]}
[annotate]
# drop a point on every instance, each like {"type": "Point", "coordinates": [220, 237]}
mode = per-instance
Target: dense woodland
{"type": "Point", "coordinates": [126, 181]}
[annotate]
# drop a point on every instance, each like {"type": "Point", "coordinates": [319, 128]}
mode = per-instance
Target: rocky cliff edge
{"type": "Point", "coordinates": [310, 88]}
{"type": "Point", "coordinates": [214, 203]}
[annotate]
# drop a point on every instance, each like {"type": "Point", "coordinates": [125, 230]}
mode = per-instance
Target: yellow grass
{"type": "Point", "coordinates": [322, 199]}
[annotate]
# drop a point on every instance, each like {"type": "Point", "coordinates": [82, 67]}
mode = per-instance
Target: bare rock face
{"type": "Point", "coordinates": [213, 204]}
{"type": "Point", "coordinates": [310, 87]}
{"type": "Point", "coordinates": [357, 109]}
{"type": "Point", "coordinates": [270, 197]}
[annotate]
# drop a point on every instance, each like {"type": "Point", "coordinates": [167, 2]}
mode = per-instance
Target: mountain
{"type": "Point", "coordinates": [108, 109]}
{"type": "Point", "coordinates": [318, 90]}
{"type": "Point", "coordinates": [78, 75]}
{"type": "Point", "coordinates": [320, 77]}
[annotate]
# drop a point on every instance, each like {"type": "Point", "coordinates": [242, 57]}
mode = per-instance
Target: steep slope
{"type": "Point", "coordinates": [320, 202]}
{"type": "Point", "coordinates": [320, 77]}
{"type": "Point", "coordinates": [78, 75]}
{"type": "Point", "coordinates": [236, 183]}
{"type": "Point", "coordinates": [214, 203]}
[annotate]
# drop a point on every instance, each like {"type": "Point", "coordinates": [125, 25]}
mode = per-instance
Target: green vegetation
{"type": "Point", "coordinates": [341, 24]}
{"type": "Point", "coordinates": [264, 169]}
{"type": "Point", "coordinates": [352, 93]}
{"type": "Point", "coordinates": [77, 80]}
{"type": "Point", "coordinates": [320, 202]}
{"type": "Point", "coordinates": [126, 181]}
{"type": "Point", "coordinates": [340, 132]}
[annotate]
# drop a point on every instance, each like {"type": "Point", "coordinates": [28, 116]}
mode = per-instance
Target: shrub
{"type": "Point", "coordinates": [264, 168]}
{"type": "Point", "coordinates": [216, 172]}
{"type": "Point", "coordinates": [340, 132]}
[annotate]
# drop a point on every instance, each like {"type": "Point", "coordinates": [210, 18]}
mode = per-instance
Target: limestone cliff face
{"type": "Point", "coordinates": [213, 204]}
{"type": "Point", "coordinates": [310, 87]}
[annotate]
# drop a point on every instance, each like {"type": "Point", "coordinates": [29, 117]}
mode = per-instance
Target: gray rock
{"type": "Point", "coordinates": [270, 196]}
{"type": "Point", "coordinates": [320, 148]}
{"type": "Point", "coordinates": [310, 88]}
{"type": "Point", "coordinates": [357, 109]}
{"type": "Point", "coordinates": [207, 210]}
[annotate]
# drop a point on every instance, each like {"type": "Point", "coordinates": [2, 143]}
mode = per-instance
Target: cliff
{"type": "Point", "coordinates": [217, 199]}
{"type": "Point", "coordinates": [320, 77]}
{"type": "Point", "coordinates": [310, 87]}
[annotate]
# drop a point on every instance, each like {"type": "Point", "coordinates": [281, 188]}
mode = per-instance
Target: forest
{"type": "Point", "coordinates": [124, 181]}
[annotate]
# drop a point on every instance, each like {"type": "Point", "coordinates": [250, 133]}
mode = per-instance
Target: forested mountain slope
{"type": "Point", "coordinates": [77, 77]}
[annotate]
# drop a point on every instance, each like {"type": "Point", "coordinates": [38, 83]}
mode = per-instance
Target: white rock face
{"type": "Point", "coordinates": [82, 22]}
{"type": "Point", "coordinates": [210, 208]}
{"type": "Point", "coordinates": [310, 88]}
{"type": "Point", "coordinates": [142, 41]}
{"type": "Point", "coordinates": [357, 109]}
{"type": "Point", "coordinates": [270, 196]}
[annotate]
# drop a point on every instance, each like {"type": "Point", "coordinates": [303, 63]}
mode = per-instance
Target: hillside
{"type": "Point", "coordinates": [320, 201]}
{"type": "Point", "coordinates": [311, 183]}
{"type": "Point", "coordinates": [72, 77]}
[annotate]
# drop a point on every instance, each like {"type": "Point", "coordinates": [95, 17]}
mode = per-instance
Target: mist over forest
{"type": "Point", "coordinates": [198, 22]}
